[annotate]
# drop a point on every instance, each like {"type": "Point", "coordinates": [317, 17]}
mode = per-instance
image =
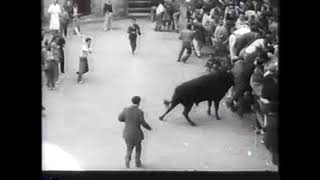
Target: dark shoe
{"type": "Point", "coordinates": [77, 72]}
{"type": "Point", "coordinates": [127, 164]}
{"type": "Point", "coordinates": [138, 164]}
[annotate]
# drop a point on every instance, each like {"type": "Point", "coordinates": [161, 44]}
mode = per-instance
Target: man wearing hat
{"type": "Point", "coordinates": [132, 134]}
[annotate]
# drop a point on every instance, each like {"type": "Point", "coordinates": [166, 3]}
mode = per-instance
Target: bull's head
{"type": "Point", "coordinates": [229, 78]}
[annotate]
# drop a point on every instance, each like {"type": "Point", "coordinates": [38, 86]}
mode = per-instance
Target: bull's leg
{"type": "Point", "coordinates": [216, 107]}
{"type": "Point", "coordinates": [209, 107]}
{"type": "Point", "coordinates": [172, 105]}
{"type": "Point", "coordinates": [185, 113]}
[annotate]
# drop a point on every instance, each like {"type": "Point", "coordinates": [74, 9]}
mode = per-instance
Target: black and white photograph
{"type": "Point", "coordinates": [160, 85]}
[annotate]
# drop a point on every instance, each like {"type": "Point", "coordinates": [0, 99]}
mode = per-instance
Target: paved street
{"type": "Point", "coordinates": [82, 119]}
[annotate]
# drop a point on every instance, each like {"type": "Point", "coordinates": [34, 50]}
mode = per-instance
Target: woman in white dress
{"type": "Point", "coordinates": [54, 11]}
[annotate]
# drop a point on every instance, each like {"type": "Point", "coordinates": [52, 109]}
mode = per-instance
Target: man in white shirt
{"type": "Point", "coordinates": [160, 9]}
{"type": "Point", "coordinates": [54, 10]}
{"type": "Point", "coordinates": [84, 52]}
{"type": "Point", "coordinates": [159, 16]}
{"type": "Point", "coordinates": [233, 38]}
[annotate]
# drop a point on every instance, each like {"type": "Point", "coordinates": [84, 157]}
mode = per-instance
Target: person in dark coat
{"type": "Point", "coordinates": [242, 72]}
{"type": "Point", "coordinates": [64, 21]}
{"type": "Point", "coordinates": [133, 31]}
{"type": "Point", "coordinates": [132, 134]}
{"type": "Point", "coordinates": [68, 7]}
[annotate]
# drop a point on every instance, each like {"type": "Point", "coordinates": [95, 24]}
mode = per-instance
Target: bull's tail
{"type": "Point", "coordinates": [166, 103]}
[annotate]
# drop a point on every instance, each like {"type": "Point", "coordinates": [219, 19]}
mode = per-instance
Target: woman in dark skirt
{"type": "Point", "coordinates": [50, 67]}
{"type": "Point", "coordinates": [56, 56]}
{"type": "Point", "coordinates": [83, 62]}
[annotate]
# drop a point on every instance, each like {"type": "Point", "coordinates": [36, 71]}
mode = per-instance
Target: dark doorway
{"type": "Point", "coordinates": [84, 6]}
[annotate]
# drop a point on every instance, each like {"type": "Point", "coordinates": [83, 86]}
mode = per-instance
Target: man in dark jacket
{"type": "Point", "coordinates": [132, 134]}
{"type": "Point", "coordinates": [133, 30]}
{"type": "Point", "coordinates": [68, 7]}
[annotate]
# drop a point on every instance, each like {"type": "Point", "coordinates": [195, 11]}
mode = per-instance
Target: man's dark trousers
{"type": "Point", "coordinates": [130, 146]}
{"type": "Point", "coordinates": [64, 28]}
{"type": "Point", "coordinates": [185, 45]}
{"type": "Point", "coordinates": [61, 59]}
{"type": "Point", "coordinates": [133, 43]}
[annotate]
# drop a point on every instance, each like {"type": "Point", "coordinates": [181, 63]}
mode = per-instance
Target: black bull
{"type": "Point", "coordinates": [210, 87]}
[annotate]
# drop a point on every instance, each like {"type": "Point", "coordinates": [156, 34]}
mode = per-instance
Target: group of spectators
{"type": "Point", "coordinates": [62, 16]}
{"type": "Point", "coordinates": [53, 43]}
{"type": "Point", "coordinates": [242, 36]}
{"type": "Point", "coordinates": [166, 14]}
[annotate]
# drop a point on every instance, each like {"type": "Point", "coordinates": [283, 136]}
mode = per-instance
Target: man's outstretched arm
{"type": "Point", "coordinates": [121, 117]}
{"type": "Point", "coordinates": [144, 123]}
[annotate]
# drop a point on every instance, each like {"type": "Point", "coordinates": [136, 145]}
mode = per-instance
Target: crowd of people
{"type": "Point", "coordinates": [242, 36]}
{"type": "Point", "coordinates": [62, 19]}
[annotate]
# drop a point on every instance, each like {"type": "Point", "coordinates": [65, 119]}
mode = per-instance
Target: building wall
{"type": "Point", "coordinates": [119, 7]}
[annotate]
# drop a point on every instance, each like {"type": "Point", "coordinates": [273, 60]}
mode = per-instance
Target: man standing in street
{"type": "Point", "coordinates": [176, 15]}
{"type": "Point", "coordinates": [107, 11]}
{"type": "Point", "coordinates": [132, 134]}
{"type": "Point", "coordinates": [186, 36]}
{"type": "Point", "coordinates": [54, 10]}
{"type": "Point", "coordinates": [153, 9]}
{"type": "Point", "coordinates": [159, 16]}
{"type": "Point", "coordinates": [133, 30]}
{"type": "Point", "coordinates": [68, 8]}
